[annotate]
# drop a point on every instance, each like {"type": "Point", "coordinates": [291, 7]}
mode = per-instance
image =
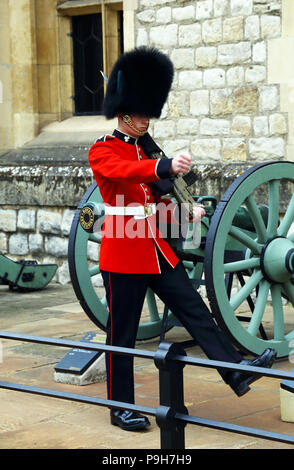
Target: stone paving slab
{"type": "Point", "coordinates": [35, 422]}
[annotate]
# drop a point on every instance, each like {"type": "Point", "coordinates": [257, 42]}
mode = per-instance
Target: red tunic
{"type": "Point", "coordinates": [122, 172]}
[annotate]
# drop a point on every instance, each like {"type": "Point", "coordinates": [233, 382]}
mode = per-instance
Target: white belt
{"type": "Point", "coordinates": [139, 212]}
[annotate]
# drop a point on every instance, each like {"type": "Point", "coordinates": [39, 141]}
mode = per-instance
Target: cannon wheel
{"type": "Point", "coordinates": [263, 262]}
{"type": "Point", "coordinates": [82, 275]}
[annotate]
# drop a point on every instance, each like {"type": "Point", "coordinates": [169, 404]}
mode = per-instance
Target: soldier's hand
{"type": "Point", "coordinates": [181, 163]}
{"type": "Point", "coordinates": [198, 213]}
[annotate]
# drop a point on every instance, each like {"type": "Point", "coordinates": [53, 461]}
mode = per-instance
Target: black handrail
{"type": "Point", "coordinates": [171, 414]}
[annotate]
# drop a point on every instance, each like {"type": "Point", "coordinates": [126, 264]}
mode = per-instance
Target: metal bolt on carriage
{"type": "Point", "coordinates": [245, 260]}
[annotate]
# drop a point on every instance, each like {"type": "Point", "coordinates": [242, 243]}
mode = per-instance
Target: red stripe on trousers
{"type": "Point", "coordinates": [110, 355]}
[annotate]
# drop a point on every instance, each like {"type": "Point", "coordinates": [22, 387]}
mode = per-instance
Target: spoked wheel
{"type": "Point", "coordinates": [253, 313]}
{"type": "Point", "coordinates": [92, 299]}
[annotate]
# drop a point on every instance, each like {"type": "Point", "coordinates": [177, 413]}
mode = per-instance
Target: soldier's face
{"type": "Point", "coordinates": [137, 125]}
{"type": "Point", "coordinates": [141, 122]}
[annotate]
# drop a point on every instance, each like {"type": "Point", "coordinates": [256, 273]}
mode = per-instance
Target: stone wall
{"type": "Point", "coordinates": [41, 234]}
{"type": "Point", "coordinates": [221, 107]}
{"type": "Point", "coordinates": [38, 202]}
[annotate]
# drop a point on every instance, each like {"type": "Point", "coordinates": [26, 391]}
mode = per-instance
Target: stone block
{"type": "Point", "coordinates": [241, 125]}
{"type": "Point", "coordinates": [235, 76]}
{"type": "Point", "coordinates": [271, 148]}
{"type": "Point", "coordinates": [152, 3]}
{"type": "Point", "coordinates": [233, 29]}
{"type": "Point", "coordinates": [163, 15]}
{"type": "Point", "coordinates": [277, 124]}
{"type": "Point", "coordinates": [8, 220]}
{"type": "Point", "coordinates": [287, 405]}
{"type": "Point", "coordinates": [252, 28]}
{"type": "Point", "coordinates": [93, 250]}
{"type": "Point", "coordinates": [190, 35]}
{"type": "Point", "coordinates": [96, 372]}
{"type": "Point", "coordinates": [230, 54]}
{"type": "Point", "coordinates": [245, 99]}
{"type": "Point", "coordinates": [63, 275]}
{"type": "Point", "coordinates": [255, 74]}
{"type": "Point", "coordinates": [287, 400]}
{"type": "Point", "coordinates": [183, 58]}
{"type": "Point", "coordinates": [241, 7]}
{"type": "Point", "coordinates": [26, 220]}
{"type": "Point", "coordinates": [270, 26]}
{"type": "Point", "coordinates": [214, 78]}
{"type": "Point", "coordinates": [173, 147]}
{"type": "Point", "coordinates": [56, 246]}
{"type": "Point", "coordinates": [67, 219]}
{"type": "Point", "coordinates": [48, 222]}
{"type": "Point", "coordinates": [204, 9]}
{"type": "Point", "coordinates": [212, 31]}
{"type": "Point", "coordinates": [234, 150]}
{"type": "Point", "coordinates": [146, 16]}
{"type": "Point", "coordinates": [164, 36]}
{"type": "Point", "coordinates": [221, 102]}
{"type": "Point", "coordinates": [214, 126]}
{"type": "Point", "coordinates": [205, 56]}
{"type": "Point", "coordinates": [97, 280]}
{"type": "Point", "coordinates": [190, 79]}
{"type": "Point", "coordinates": [178, 104]}
{"type": "Point", "coordinates": [268, 7]}
{"type": "Point", "coordinates": [184, 13]}
{"type": "Point", "coordinates": [221, 7]}
{"type": "Point", "coordinates": [259, 52]}
{"type": "Point", "coordinates": [36, 244]}
{"type": "Point", "coordinates": [206, 149]}
{"type": "Point", "coordinates": [187, 126]}
{"type": "Point", "coordinates": [164, 129]}
{"type": "Point", "coordinates": [18, 244]}
{"type": "Point", "coordinates": [199, 102]}
{"type": "Point", "coordinates": [269, 98]}
{"type": "Point", "coordinates": [260, 126]}
{"type": "Point", "coordinates": [36, 184]}
{"type": "Point", "coordinates": [142, 37]}
{"type": "Point", "coordinates": [3, 243]}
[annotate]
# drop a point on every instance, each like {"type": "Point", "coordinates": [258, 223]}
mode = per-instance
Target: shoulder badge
{"type": "Point", "coordinates": [104, 138]}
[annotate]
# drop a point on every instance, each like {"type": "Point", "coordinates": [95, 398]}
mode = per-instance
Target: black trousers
{"type": "Point", "coordinates": [125, 296]}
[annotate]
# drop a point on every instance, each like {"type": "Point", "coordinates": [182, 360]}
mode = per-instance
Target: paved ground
{"type": "Point", "coordinates": [35, 422]}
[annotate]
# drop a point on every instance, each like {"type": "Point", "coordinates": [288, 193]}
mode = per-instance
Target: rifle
{"type": "Point", "coordinates": [177, 185]}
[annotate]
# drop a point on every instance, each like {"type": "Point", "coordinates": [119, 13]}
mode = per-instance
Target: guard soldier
{"type": "Point", "coordinates": [137, 90]}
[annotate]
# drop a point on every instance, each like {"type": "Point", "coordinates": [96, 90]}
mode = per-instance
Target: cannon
{"type": "Point", "coordinates": [25, 275]}
{"type": "Point", "coordinates": [245, 260]}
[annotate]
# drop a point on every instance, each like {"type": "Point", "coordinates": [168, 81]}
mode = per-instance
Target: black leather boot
{"type": "Point", "coordinates": [240, 381]}
{"type": "Point", "coordinates": [128, 420]}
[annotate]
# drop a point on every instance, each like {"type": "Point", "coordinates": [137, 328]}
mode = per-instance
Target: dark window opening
{"type": "Point", "coordinates": [121, 31]}
{"type": "Point", "coordinates": [88, 61]}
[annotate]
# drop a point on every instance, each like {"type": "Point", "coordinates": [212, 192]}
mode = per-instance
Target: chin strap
{"type": "Point", "coordinates": [128, 120]}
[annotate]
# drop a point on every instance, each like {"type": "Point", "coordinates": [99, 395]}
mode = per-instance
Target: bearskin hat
{"type": "Point", "coordinates": [139, 83]}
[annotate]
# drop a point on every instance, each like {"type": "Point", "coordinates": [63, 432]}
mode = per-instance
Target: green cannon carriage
{"type": "Point", "coordinates": [25, 275]}
{"type": "Point", "coordinates": [245, 260]}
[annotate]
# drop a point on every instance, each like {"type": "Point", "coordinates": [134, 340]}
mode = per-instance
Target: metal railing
{"type": "Point", "coordinates": [171, 414]}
